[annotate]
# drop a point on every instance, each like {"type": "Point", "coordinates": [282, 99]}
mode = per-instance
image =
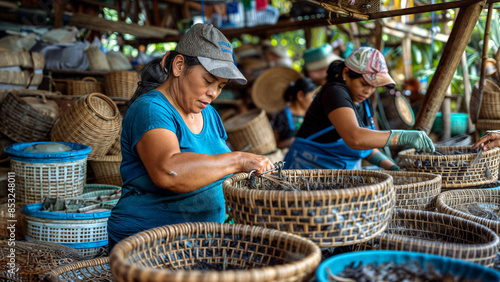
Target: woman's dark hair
{"type": "Point", "coordinates": [334, 72]}
{"type": "Point", "coordinates": [305, 84]}
{"type": "Point", "coordinates": [152, 75]}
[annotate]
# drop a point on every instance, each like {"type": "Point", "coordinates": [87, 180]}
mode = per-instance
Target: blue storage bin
{"type": "Point", "coordinates": [444, 265]}
{"type": "Point", "coordinates": [458, 123]}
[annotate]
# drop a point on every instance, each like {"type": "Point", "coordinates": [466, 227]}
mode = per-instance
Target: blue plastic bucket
{"type": "Point", "coordinates": [78, 152]}
{"type": "Point", "coordinates": [444, 265]}
{"type": "Point", "coordinates": [458, 123]}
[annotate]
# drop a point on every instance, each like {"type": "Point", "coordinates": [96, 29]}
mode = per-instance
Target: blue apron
{"type": "Point", "coordinates": [308, 154]}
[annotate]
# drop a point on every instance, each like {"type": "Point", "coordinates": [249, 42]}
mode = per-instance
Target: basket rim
{"type": "Point", "coordinates": [305, 195]}
{"type": "Point", "coordinates": [409, 153]}
{"type": "Point", "coordinates": [78, 265]}
{"type": "Point", "coordinates": [35, 210]}
{"type": "Point", "coordinates": [431, 177]}
{"type": "Point", "coordinates": [108, 100]}
{"type": "Point", "coordinates": [118, 254]}
{"type": "Point", "coordinates": [16, 150]}
{"type": "Point", "coordinates": [443, 206]}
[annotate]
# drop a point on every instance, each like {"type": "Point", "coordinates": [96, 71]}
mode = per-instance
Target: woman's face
{"type": "Point", "coordinates": [360, 89]}
{"type": "Point", "coordinates": [307, 99]}
{"type": "Point", "coordinates": [198, 88]}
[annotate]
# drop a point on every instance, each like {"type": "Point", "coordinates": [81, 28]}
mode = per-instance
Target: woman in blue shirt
{"type": "Point", "coordinates": [173, 142]}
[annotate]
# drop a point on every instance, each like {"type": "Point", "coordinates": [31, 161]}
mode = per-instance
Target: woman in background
{"type": "Point", "coordinates": [286, 123]}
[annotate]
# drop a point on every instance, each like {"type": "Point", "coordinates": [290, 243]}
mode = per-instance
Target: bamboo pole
{"type": "Point", "coordinates": [479, 96]}
{"type": "Point", "coordinates": [453, 50]}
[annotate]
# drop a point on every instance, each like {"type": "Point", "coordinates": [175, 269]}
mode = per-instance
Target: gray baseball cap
{"type": "Point", "coordinates": [212, 49]}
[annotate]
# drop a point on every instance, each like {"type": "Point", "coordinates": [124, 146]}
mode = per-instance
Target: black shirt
{"type": "Point", "coordinates": [331, 96]}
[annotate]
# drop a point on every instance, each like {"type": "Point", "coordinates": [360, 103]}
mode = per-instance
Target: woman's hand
{"type": "Point", "coordinates": [488, 141]}
{"type": "Point", "coordinates": [249, 162]}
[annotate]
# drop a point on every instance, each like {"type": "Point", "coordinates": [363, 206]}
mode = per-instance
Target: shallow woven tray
{"type": "Point", "coordinates": [455, 170]}
{"type": "Point", "coordinates": [34, 259]}
{"type": "Point", "coordinates": [439, 234]}
{"type": "Point", "coordinates": [168, 253]}
{"type": "Point", "coordinates": [455, 203]}
{"type": "Point", "coordinates": [97, 270]}
{"type": "Point", "coordinates": [329, 217]}
{"type": "Point", "coordinates": [416, 190]}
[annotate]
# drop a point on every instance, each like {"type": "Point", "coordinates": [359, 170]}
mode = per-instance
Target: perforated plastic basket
{"type": "Point", "coordinates": [86, 232]}
{"type": "Point", "coordinates": [42, 175]}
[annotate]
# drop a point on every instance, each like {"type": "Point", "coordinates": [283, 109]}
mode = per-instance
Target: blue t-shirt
{"type": "Point", "coordinates": [143, 205]}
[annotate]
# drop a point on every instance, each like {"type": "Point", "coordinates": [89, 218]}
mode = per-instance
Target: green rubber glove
{"type": "Point", "coordinates": [413, 138]}
{"type": "Point", "coordinates": [394, 168]}
{"type": "Point", "coordinates": [378, 157]}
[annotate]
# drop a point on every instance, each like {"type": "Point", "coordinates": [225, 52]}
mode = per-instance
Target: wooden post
{"type": "Point", "coordinates": [453, 50]}
{"type": "Point", "coordinates": [467, 91]}
{"type": "Point", "coordinates": [446, 117]}
{"type": "Point", "coordinates": [307, 36]}
{"type": "Point", "coordinates": [379, 42]}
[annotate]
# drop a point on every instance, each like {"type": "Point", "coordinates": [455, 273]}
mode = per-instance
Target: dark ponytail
{"type": "Point", "coordinates": [334, 72]}
{"type": "Point", "coordinates": [152, 75]}
{"type": "Point", "coordinates": [305, 84]}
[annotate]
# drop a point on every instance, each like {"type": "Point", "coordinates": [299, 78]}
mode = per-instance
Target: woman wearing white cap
{"type": "Point", "coordinates": [338, 129]}
{"type": "Point", "coordinates": [173, 142]}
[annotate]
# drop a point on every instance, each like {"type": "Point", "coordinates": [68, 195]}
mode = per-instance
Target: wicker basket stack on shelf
{"type": "Point", "coordinates": [489, 110]}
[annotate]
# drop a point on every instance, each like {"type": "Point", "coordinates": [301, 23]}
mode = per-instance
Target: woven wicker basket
{"type": "Point", "coordinates": [120, 83]}
{"type": "Point", "coordinates": [171, 253]}
{"type": "Point", "coordinates": [275, 156]}
{"type": "Point", "coordinates": [463, 203]}
{"type": "Point", "coordinates": [34, 259]}
{"type": "Point", "coordinates": [490, 105]}
{"type": "Point", "coordinates": [251, 129]}
{"type": "Point", "coordinates": [329, 218]}
{"type": "Point", "coordinates": [97, 269]}
{"type": "Point", "coordinates": [29, 60]}
{"type": "Point", "coordinates": [97, 59]}
{"type": "Point", "coordinates": [93, 120]}
{"type": "Point", "coordinates": [454, 165]}
{"type": "Point", "coordinates": [21, 122]}
{"type": "Point", "coordinates": [42, 175]}
{"type": "Point", "coordinates": [85, 86]}
{"type": "Point", "coordinates": [416, 190]}
{"type": "Point", "coordinates": [107, 169]}
{"type": "Point", "coordinates": [116, 148]}
{"type": "Point", "coordinates": [488, 124]}
{"type": "Point", "coordinates": [439, 234]}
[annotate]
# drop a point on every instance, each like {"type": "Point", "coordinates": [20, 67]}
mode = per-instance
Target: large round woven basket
{"type": "Point", "coordinates": [454, 165]}
{"type": "Point", "coordinates": [354, 213]}
{"type": "Point", "coordinates": [116, 148]}
{"type": "Point", "coordinates": [97, 269]}
{"type": "Point", "coordinates": [479, 205]}
{"type": "Point", "coordinates": [107, 169]}
{"type": "Point", "coordinates": [178, 253]}
{"type": "Point", "coordinates": [93, 120]}
{"type": "Point", "coordinates": [120, 83]}
{"type": "Point", "coordinates": [416, 190]}
{"type": "Point", "coordinates": [269, 88]}
{"type": "Point", "coordinates": [33, 260]}
{"type": "Point", "coordinates": [53, 175]}
{"type": "Point", "coordinates": [488, 124]}
{"type": "Point", "coordinates": [23, 123]}
{"type": "Point", "coordinates": [438, 234]}
{"type": "Point", "coordinates": [251, 131]}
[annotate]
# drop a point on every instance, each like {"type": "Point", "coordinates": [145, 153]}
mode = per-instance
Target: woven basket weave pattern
{"type": "Point", "coordinates": [22, 58]}
{"type": "Point", "coordinates": [120, 83]}
{"type": "Point", "coordinates": [93, 120]}
{"type": "Point", "coordinates": [455, 203]}
{"type": "Point", "coordinates": [439, 234]}
{"type": "Point", "coordinates": [85, 86]}
{"type": "Point", "coordinates": [97, 269]}
{"type": "Point", "coordinates": [21, 122]}
{"type": "Point", "coordinates": [455, 169]}
{"type": "Point", "coordinates": [416, 190]}
{"type": "Point", "coordinates": [167, 254]}
{"type": "Point", "coordinates": [36, 181]}
{"type": "Point", "coordinates": [107, 169]}
{"type": "Point", "coordinates": [329, 218]}
{"type": "Point", "coordinates": [490, 104]}
{"type": "Point", "coordinates": [252, 128]}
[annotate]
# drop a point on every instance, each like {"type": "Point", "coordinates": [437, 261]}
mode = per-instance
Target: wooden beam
{"type": "Point", "coordinates": [156, 12]}
{"type": "Point", "coordinates": [452, 53]}
{"type": "Point", "coordinates": [424, 33]}
{"type": "Point", "coordinates": [100, 24]}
